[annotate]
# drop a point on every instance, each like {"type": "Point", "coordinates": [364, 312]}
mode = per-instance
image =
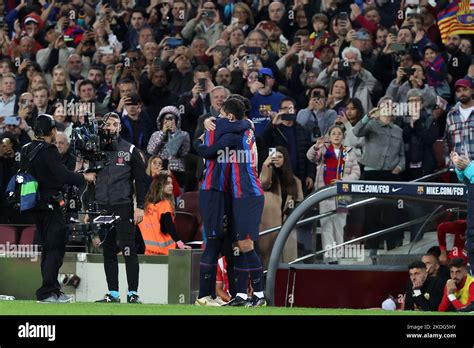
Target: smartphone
{"type": "Point", "coordinates": [398, 47]}
{"type": "Point", "coordinates": [344, 69]}
{"type": "Point", "coordinates": [253, 50]}
{"type": "Point", "coordinates": [261, 79]}
{"type": "Point", "coordinates": [209, 14]}
{"type": "Point", "coordinates": [165, 163]}
{"type": "Point", "coordinates": [157, 61]}
{"type": "Point", "coordinates": [409, 71]}
{"type": "Point", "coordinates": [308, 54]}
{"type": "Point", "coordinates": [12, 121]}
{"type": "Point", "coordinates": [202, 83]}
{"type": "Point", "coordinates": [67, 38]}
{"type": "Point", "coordinates": [361, 35]}
{"type": "Point", "coordinates": [412, 2]}
{"type": "Point", "coordinates": [316, 95]}
{"type": "Point", "coordinates": [342, 111]}
{"type": "Point", "coordinates": [272, 152]}
{"type": "Point", "coordinates": [234, 21]}
{"type": "Point", "coordinates": [288, 117]}
{"type": "Point", "coordinates": [249, 61]}
{"type": "Point", "coordinates": [173, 42]}
{"type": "Point", "coordinates": [343, 16]}
{"type": "Point", "coordinates": [393, 31]}
{"type": "Point", "coordinates": [106, 50]}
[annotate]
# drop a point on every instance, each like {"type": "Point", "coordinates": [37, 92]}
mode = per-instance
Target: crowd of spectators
{"type": "Point", "coordinates": [166, 66]}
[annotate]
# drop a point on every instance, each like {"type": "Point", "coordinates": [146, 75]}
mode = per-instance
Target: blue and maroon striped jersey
{"type": "Point", "coordinates": [217, 171]}
{"type": "Point", "coordinates": [240, 151]}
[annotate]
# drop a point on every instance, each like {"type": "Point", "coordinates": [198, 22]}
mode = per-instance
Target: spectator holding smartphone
{"type": "Point", "coordinates": [284, 131]}
{"type": "Point", "coordinates": [317, 117]}
{"type": "Point", "coordinates": [410, 78]}
{"type": "Point", "coordinates": [170, 142]}
{"type": "Point", "coordinates": [282, 190]}
{"type": "Point", "coordinates": [348, 118]}
{"type": "Point", "coordinates": [264, 99]}
{"type": "Point", "coordinates": [335, 162]}
{"type": "Point", "coordinates": [207, 24]}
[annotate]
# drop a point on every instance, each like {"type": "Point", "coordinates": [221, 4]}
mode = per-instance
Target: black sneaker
{"type": "Point", "coordinates": [134, 299]}
{"type": "Point", "coordinates": [469, 308]}
{"type": "Point", "coordinates": [257, 302]}
{"type": "Point", "coordinates": [237, 301]}
{"type": "Point", "coordinates": [109, 299]}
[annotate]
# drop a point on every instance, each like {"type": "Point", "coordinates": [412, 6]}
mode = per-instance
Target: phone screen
{"type": "Point", "coordinates": [272, 152]}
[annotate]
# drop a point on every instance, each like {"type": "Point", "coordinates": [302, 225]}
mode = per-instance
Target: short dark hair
{"type": "Point", "coordinates": [417, 264]}
{"type": "Point", "coordinates": [139, 9]}
{"type": "Point", "coordinates": [435, 251]}
{"type": "Point", "coordinates": [457, 262]}
{"type": "Point", "coordinates": [86, 82]}
{"type": "Point", "coordinates": [301, 32]}
{"type": "Point", "coordinates": [288, 99]}
{"type": "Point", "coordinates": [202, 68]}
{"type": "Point", "coordinates": [97, 67]}
{"type": "Point", "coordinates": [243, 100]}
{"type": "Point", "coordinates": [235, 107]}
{"type": "Point", "coordinates": [128, 80]}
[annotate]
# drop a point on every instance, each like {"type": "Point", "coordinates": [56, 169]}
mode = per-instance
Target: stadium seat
{"type": "Point", "coordinates": [186, 226]}
{"type": "Point", "coordinates": [28, 236]}
{"type": "Point", "coordinates": [8, 234]}
{"type": "Point", "coordinates": [189, 203]}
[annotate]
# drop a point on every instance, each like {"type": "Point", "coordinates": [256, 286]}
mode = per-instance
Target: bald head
{"type": "Point", "coordinates": [74, 64]}
{"type": "Point", "coordinates": [276, 11]}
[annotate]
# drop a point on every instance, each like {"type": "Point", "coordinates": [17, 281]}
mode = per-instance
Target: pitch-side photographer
{"type": "Point", "coordinates": [114, 194]}
{"type": "Point", "coordinates": [45, 165]}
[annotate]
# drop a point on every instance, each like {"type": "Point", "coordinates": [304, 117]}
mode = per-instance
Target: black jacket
{"type": "Point", "coordinates": [430, 297]}
{"type": "Point", "coordinates": [274, 137]}
{"type": "Point", "coordinates": [419, 142]}
{"type": "Point", "coordinates": [189, 119]}
{"type": "Point", "coordinates": [51, 174]}
{"type": "Point", "coordinates": [115, 183]}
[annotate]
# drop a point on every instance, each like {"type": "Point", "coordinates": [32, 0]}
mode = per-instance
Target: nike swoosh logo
{"type": "Point", "coordinates": [396, 189]}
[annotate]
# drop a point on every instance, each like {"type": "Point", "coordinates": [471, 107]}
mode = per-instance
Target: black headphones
{"type": "Point", "coordinates": [44, 125]}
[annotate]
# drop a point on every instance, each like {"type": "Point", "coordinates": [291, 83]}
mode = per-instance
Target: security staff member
{"type": "Point", "coordinates": [46, 167]}
{"type": "Point", "coordinates": [114, 194]}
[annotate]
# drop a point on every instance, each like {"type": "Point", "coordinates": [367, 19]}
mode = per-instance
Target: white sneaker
{"type": "Point", "coordinates": [207, 301]}
{"type": "Point", "coordinates": [220, 301]}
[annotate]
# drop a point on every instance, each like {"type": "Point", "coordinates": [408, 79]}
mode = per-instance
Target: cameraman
{"type": "Point", "coordinates": [114, 194]}
{"type": "Point", "coordinates": [45, 165]}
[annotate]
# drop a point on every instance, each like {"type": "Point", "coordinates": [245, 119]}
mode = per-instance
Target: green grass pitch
{"type": "Point", "coordinates": [80, 308]}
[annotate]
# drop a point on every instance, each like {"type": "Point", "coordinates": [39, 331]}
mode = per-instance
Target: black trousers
{"type": "Point", "coordinates": [121, 238]}
{"type": "Point", "coordinates": [382, 214]}
{"type": "Point", "coordinates": [51, 231]}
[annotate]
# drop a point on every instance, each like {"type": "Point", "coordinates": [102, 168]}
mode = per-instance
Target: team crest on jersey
{"type": "Point", "coordinates": [122, 156]}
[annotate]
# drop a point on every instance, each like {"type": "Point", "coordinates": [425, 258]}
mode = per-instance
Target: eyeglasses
{"type": "Point", "coordinates": [209, 8]}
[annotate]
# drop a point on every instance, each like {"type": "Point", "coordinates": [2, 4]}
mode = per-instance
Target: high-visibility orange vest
{"type": "Point", "coordinates": [156, 242]}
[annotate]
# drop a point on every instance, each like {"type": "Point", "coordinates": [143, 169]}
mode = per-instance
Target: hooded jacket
{"type": "Point", "coordinates": [172, 146]}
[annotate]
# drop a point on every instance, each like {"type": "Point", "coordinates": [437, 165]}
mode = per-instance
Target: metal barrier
{"type": "Point", "coordinates": [355, 204]}
{"type": "Point", "coordinates": [384, 189]}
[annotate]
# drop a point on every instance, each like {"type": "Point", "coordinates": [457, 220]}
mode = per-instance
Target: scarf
{"type": "Point", "coordinates": [333, 165]}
